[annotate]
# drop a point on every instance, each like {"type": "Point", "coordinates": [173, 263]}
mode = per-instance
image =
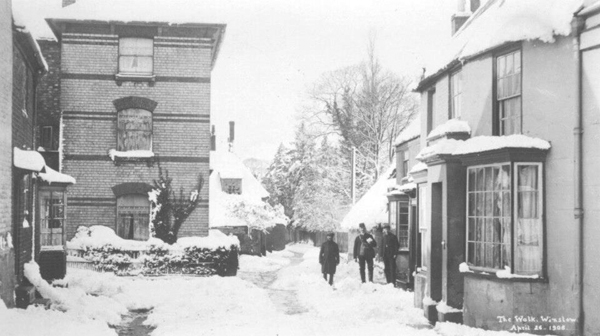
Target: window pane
{"type": "Point", "coordinates": [509, 64]}
{"type": "Point", "coordinates": [471, 235]}
{"type": "Point", "coordinates": [489, 199]}
{"type": "Point", "coordinates": [480, 204]}
{"type": "Point", "coordinates": [480, 180]}
{"type": "Point", "coordinates": [497, 230]}
{"type": "Point", "coordinates": [471, 253]}
{"type": "Point", "coordinates": [497, 204]}
{"type": "Point", "coordinates": [501, 63]}
{"type": "Point", "coordinates": [136, 46]}
{"type": "Point", "coordinates": [472, 205]}
{"type": "Point", "coordinates": [472, 178]}
{"type": "Point", "coordinates": [517, 62]}
{"type": "Point", "coordinates": [136, 64]}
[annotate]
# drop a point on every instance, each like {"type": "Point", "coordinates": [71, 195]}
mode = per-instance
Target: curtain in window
{"type": "Point", "coordinates": [133, 220]}
{"type": "Point", "coordinates": [136, 56]}
{"type": "Point", "coordinates": [528, 222]}
{"type": "Point", "coordinates": [52, 215]}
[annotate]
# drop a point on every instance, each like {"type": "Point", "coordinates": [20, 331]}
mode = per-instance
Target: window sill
{"type": "Point", "coordinates": [492, 276]}
{"type": "Point", "coordinates": [124, 77]}
{"type": "Point", "coordinates": [52, 248]}
{"type": "Point", "coordinates": [119, 160]}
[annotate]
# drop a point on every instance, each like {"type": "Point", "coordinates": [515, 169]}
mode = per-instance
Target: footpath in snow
{"type": "Point", "coordinates": [281, 294]}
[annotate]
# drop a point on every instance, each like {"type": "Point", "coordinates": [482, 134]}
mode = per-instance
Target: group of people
{"type": "Point", "coordinates": [364, 253]}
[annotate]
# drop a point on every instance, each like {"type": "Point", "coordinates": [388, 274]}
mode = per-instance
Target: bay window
{"type": "Point", "coordinates": [52, 218]}
{"type": "Point", "coordinates": [504, 217]}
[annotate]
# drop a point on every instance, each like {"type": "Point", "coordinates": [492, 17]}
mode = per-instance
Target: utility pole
{"type": "Point", "coordinates": [353, 176]}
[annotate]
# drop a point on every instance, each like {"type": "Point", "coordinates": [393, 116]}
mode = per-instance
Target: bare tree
{"type": "Point", "coordinates": [367, 106]}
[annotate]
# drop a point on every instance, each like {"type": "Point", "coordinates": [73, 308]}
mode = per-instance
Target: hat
{"type": "Point", "coordinates": [387, 227]}
{"type": "Point", "coordinates": [330, 234]}
{"type": "Point", "coordinates": [362, 225]}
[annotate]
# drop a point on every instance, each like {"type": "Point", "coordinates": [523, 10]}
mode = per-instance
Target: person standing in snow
{"type": "Point", "coordinates": [390, 251]}
{"type": "Point", "coordinates": [329, 257]}
{"type": "Point", "coordinates": [364, 251]}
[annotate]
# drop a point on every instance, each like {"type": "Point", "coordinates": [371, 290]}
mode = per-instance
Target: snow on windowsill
{"type": "Point", "coordinates": [428, 301]}
{"type": "Point", "coordinates": [506, 273]}
{"type": "Point", "coordinates": [489, 143]}
{"type": "Point", "coordinates": [419, 167]}
{"type": "Point", "coordinates": [464, 268]}
{"type": "Point", "coordinates": [449, 127]}
{"type": "Point", "coordinates": [113, 153]}
{"type": "Point", "coordinates": [443, 307]}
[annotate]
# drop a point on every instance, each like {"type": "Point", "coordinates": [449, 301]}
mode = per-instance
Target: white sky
{"type": "Point", "coordinates": [274, 50]}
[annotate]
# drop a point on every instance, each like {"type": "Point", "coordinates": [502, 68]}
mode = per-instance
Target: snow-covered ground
{"type": "Point", "coordinates": [257, 302]}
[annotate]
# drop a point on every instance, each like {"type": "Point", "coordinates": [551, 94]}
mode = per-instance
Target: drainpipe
{"type": "Point", "coordinates": [577, 26]}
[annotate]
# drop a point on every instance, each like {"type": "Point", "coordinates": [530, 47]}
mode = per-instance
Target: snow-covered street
{"type": "Point", "coordinates": [282, 294]}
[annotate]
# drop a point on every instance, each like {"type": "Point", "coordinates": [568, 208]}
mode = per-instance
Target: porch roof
{"type": "Point", "coordinates": [28, 160]}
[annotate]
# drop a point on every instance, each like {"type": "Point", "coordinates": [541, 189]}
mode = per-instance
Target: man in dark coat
{"type": "Point", "coordinates": [390, 251]}
{"type": "Point", "coordinates": [329, 257]}
{"type": "Point", "coordinates": [364, 251]}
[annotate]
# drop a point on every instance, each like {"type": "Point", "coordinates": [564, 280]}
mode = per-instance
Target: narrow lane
{"type": "Point", "coordinates": [286, 300]}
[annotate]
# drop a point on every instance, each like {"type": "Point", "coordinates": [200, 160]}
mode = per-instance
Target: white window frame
{"type": "Point", "coordinates": [456, 94]}
{"type": "Point", "coordinates": [424, 224]}
{"type": "Point", "coordinates": [149, 56]}
{"type": "Point", "coordinates": [514, 217]}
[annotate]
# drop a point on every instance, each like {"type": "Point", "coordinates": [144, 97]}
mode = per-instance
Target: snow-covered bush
{"type": "Point", "coordinates": [215, 254]}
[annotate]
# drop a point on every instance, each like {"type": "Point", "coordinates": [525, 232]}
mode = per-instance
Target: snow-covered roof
{"type": "Point", "coordinates": [52, 176]}
{"type": "Point", "coordinates": [158, 11]}
{"type": "Point", "coordinates": [418, 168]}
{"type": "Point", "coordinates": [246, 209]}
{"type": "Point", "coordinates": [29, 24]}
{"type": "Point", "coordinates": [229, 166]}
{"type": "Point", "coordinates": [412, 131]}
{"type": "Point", "coordinates": [501, 21]}
{"type": "Point", "coordinates": [371, 209]}
{"type": "Point", "coordinates": [32, 14]}
{"type": "Point", "coordinates": [28, 160]}
{"type": "Point", "coordinates": [488, 143]}
{"type": "Point", "coordinates": [449, 127]}
{"type": "Point", "coordinates": [442, 147]}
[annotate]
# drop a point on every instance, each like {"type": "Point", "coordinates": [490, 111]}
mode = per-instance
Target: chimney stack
{"type": "Point", "coordinates": [66, 3]}
{"type": "Point", "coordinates": [231, 135]}
{"type": "Point", "coordinates": [464, 9]}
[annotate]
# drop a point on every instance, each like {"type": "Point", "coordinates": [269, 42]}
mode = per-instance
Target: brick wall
{"type": "Point", "coordinates": [180, 124]}
{"type": "Point", "coordinates": [48, 101]}
{"type": "Point", "coordinates": [6, 52]}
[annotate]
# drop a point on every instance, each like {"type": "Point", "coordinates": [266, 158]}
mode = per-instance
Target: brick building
{"type": "Point", "coordinates": [135, 98]}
